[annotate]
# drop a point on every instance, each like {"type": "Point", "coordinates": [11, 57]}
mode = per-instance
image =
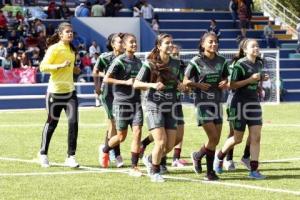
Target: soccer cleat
{"type": "Point", "coordinates": [71, 162]}
{"type": "Point", "coordinates": [112, 155]}
{"type": "Point", "coordinates": [256, 175]}
{"type": "Point", "coordinates": [211, 176]}
{"type": "Point", "coordinates": [119, 161]}
{"type": "Point", "coordinates": [218, 165]}
{"type": "Point", "coordinates": [178, 163]}
{"type": "Point", "coordinates": [163, 169]}
{"type": "Point", "coordinates": [135, 172]}
{"type": "Point", "coordinates": [246, 163]}
{"type": "Point", "coordinates": [43, 160]}
{"type": "Point", "coordinates": [147, 164]}
{"type": "Point", "coordinates": [196, 164]}
{"type": "Point", "coordinates": [157, 178]}
{"type": "Point", "coordinates": [229, 165]}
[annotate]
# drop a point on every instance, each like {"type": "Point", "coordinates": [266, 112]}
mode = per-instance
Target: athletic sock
{"type": "Point", "coordinates": [210, 155]}
{"type": "Point", "coordinates": [134, 159]}
{"type": "Point", "coordinates": [177, 152]}
{"type": "Point", "coordinates": [229, 155]}
{"type": "Point", "coordinates": [253, 165]}
{"type": "Point", "coordinates": [146, 142]}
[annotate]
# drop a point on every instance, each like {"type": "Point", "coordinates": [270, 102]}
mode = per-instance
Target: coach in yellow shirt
{"type": "Point", "coordinates": [61, 95]}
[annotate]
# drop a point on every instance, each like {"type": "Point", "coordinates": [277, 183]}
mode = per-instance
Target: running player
{"type": "Point", "coordinates": [159, 74]}
{"type": "Point", "coordinates": [61, 94]}
{"type": "Point", "coordinates": [127, 108]}
{"type": "Point", "coordinates": [245, 108]}
{"type": "Point", "coordinates": [207, 73]}
{"type": "Point", "coordinates": [114, 45]}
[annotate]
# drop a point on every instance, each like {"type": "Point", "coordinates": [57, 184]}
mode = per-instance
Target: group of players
{"type": "Point", "coordinates": [164, 77]}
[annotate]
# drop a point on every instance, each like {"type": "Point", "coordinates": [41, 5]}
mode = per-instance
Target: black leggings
{"type": "Point", "coordinates": [55, 103]}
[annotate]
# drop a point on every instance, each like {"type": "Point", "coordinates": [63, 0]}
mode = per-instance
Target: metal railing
{"type": "Point", "coordinates": [275, 9]}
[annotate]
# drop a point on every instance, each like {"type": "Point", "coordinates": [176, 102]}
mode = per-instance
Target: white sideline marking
{"type": "Point", "coordinates": [99, 170]}
{"type": "Point", "coordinates": [47, 173]}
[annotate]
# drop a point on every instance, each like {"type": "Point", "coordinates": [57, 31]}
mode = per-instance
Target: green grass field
{"type": "Point", "coordinates": [22, 178]}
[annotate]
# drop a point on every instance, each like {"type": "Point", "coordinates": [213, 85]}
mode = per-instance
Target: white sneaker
{"type": "Point", "coordinates": [157, 178]}
{"type": "Point", "coordinates": [177, 163]}
{"type": "Point", "coordinates": [229, 165]}
{"type": "Point", "coordinates": [135, 172]}
{"type": "Point", "coordinates": [119, 161]}
{"type": "Point", "coordinates": [43, 159]}
{"type": "Point", "coordinates": [147, 164]}
{"type": "Point", "coordinates": [71, 162]}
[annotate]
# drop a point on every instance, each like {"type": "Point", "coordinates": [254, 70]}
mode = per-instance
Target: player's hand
{"type": "Point", "coordinates": [223, 85]}
{"type": "Point", "coordinates": [76, 70]}
{"type": "Point", "coordinates": [159, 86]}
{"type": "Point", "coordinates": [255, 77]}
{"type": "Point", "coordinates": [181, 87]}
{"type": "Point", "coordinates": [64, 64]}
{"type": "Point", "coordinates": [204, 86]}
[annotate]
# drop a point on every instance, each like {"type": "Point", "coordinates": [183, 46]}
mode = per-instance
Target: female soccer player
{"type": "Point", "coordinates": [177, 162]}
{"type": "Point", "coordinates": [228, 163]}
{"type": "Point", "coordinates": [127, 108]}
{"type": "Point", "coordinates": [207, 74]}
{"type": "Point", "coordinates": [61, 95]}
{"type": "Point", "coordinates": [245, 108]}
{"type": "Point", "coordinates": [114, 45]}
{"type": "Point", "coordinates": [159, 74]}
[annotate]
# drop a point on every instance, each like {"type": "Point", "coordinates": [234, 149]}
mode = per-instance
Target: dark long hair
{"type": "Point", "coordinates": [160, 72]}
{"type": "Point", "coordinates": [55, 37]}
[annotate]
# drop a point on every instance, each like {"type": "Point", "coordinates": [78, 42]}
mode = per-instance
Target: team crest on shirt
{"type": "Point", "coordinates": [51, 99]}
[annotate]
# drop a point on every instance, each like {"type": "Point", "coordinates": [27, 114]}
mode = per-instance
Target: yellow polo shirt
{"type": "Point", "coordinates": [61, 80]}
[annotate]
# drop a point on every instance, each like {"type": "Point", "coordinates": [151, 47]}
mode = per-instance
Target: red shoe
{"type": "Point", "coordinates": [105, 160]}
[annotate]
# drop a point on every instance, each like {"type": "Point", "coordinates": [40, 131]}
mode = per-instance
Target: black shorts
{"type": "Point", "coordinates": [179, 114]}
{"type": "Point", "coordinates": [244, 113]}
{"type": "Point", "coordinates": [128, 114]}
{"type": "Point", "coordinates": [158, 117]}
{"type": "Point", "coordinates": [209, 112]}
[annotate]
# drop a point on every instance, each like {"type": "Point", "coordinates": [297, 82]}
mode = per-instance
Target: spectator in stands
{"type": "Point", "coordinates": [50, 29]}
{"type": "Point", "coordinates": [21, 47]}
{"type": "Point", "coordinates": [82, 10]}
{"type": "Point", "coordinates": [3, 50]}
{"type": "Point", "coordinates": [7, 63]}
{"type": "Point", "coordinates": [155, 26]}
{"type": "Point", "coordinates": [31, 43]}
{"type": "Point", "coordinates": [10, 47]}
{"type": "Point", "coordinates": [41, 38]}
{"type": "Point", "coordinates": [11, 21]}
{"type": "Point", "coordinates": [87, 67]}
{"type": "Point", "coordinates": [233, 8]}
{"type": "Point", "coordinates": [137, 9]}
{"type": "Point", "coordinates": [94, 58]}
{"type": "Point", "coordinates": [243, 16]}
{"type": "Point", "coordinates": [111, 7]}
{"type": "Point", "coordinates": [13, 36]}
{"type": "Point", "coordinates": [98, 9]}
{"type": "Point", "coordinates": [250, 8]}
{"type": "Point", "coordinates": [19, 16]}
{"type": "Point", "coordinates": [214, 29]}
{"type": "Point", "coordinates": [16, 61]}
{"type": "Point", "coordinates": [94, 48]}
{"type": "Point", "coordinates": [3, 25]}
{"type": "Point", "coordinates": [25, 61]}
{"type": "Point", "coordinates": [270, 36]}
{"type": "Point", "coordinates": [35, 59]}
{"type": "Point", "coordinates": [51, 11]}
{"type": "Point", "coordinates": [64, 11]}
{"type": "Point", "coordinates": [298, 31]}
{"type": "Point", "coordinates": [39, 26]}
{"type": "Point", "coordinates": [147, 11]}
